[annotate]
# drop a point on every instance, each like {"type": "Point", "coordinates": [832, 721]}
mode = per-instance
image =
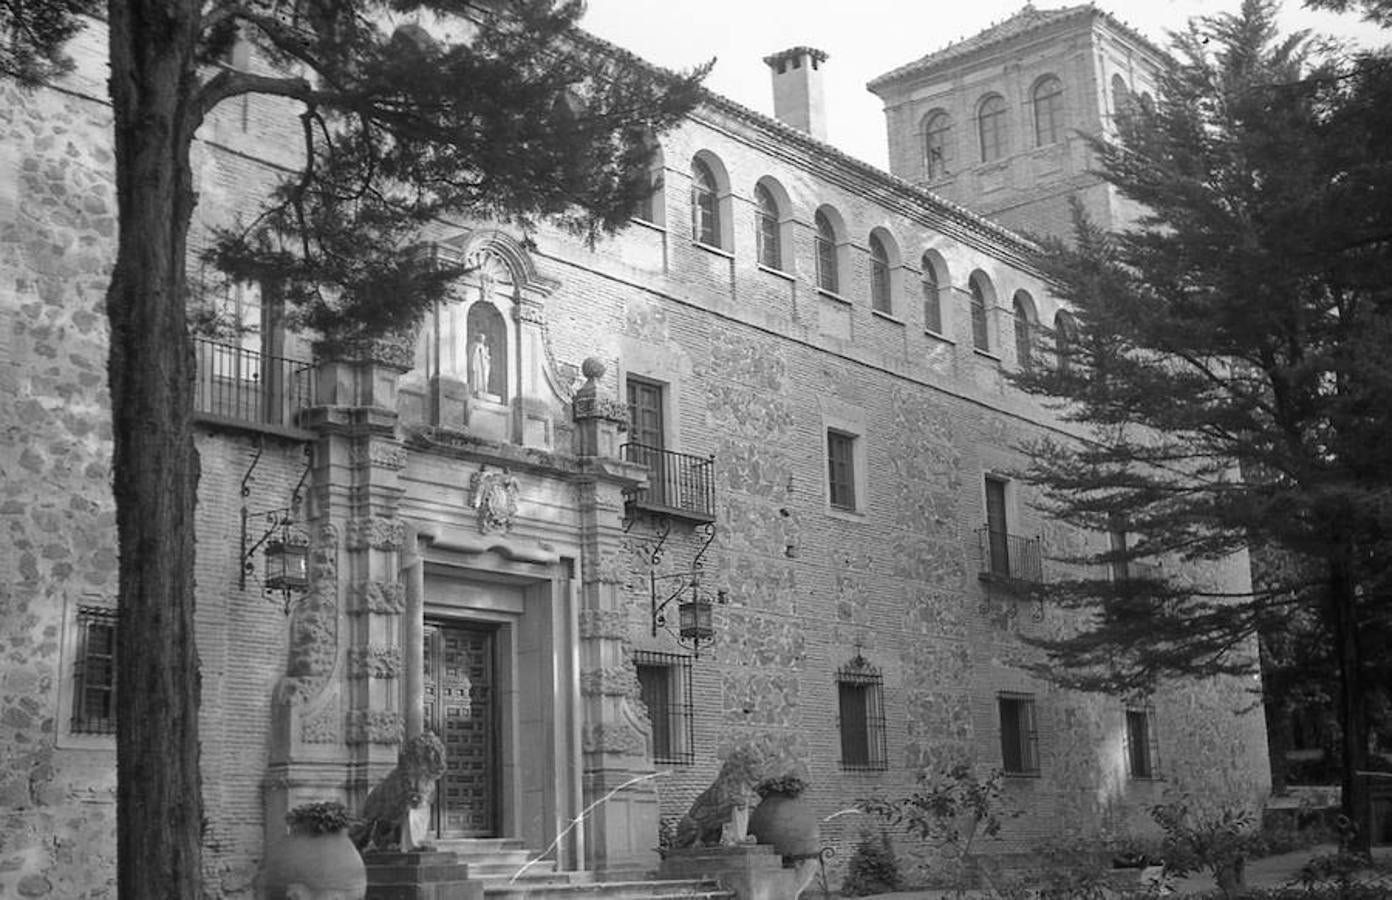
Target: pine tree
{"type": "Point", "coordinates": [1230, 371]}
{"type": "Point", "coordinates": [522, 119]}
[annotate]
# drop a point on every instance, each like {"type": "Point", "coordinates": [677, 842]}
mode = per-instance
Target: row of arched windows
{"type": "Point", "coordinates": [992, 127]}
{"type": "Point", "coordinates": [710, 192]}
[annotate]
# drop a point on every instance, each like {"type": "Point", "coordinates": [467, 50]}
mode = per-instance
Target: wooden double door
{"type": "Point", "coordinates": [461, 706]}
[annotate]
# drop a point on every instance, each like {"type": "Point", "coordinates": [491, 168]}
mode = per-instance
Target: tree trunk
{"type": "Point", "coordinates": [159, 809]}
{"type": "Point", "coordinates": [1353, 720]}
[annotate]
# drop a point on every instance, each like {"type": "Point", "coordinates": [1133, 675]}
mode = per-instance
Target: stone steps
{"type": "Point", "coordinates": [508, 870]}
{"type": "Point", "coordinates": [686, 889]}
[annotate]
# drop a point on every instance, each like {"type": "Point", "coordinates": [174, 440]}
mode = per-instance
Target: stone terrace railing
{"type": "Point", "coordinates": [242, 386]}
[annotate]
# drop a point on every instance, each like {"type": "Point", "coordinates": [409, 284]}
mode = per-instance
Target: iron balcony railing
{"type": "Point", "coordinates": [1009, 557]}
{"type": "Point", "coordinates": [678, 483]}
{"type": "Point", "coordinates": [241, 385]}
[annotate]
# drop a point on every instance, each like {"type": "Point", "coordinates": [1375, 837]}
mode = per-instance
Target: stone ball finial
{"type": "Point", "coordinates": [592, 368]}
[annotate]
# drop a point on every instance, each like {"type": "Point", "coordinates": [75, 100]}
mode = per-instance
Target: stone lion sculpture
{"type": "Point", "coordinates": [397, 812]}
{"type": "Point", "coordinates": [720, 815]}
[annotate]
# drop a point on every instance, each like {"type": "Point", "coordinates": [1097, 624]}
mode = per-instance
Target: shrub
{"type": "Point", "coordinates": [873, 868]}
{"type": "Point", "coordinates": [1219, 845]}
{"type": "Point", "coordinates": [320, 817]}
{"type": "Point", "coordinates": [788, 785]}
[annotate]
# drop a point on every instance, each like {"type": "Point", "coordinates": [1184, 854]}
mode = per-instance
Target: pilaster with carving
{"type": "Point", "coordinates": [337, 716]}
{"type": "Point", "coordinates": [615, 736]}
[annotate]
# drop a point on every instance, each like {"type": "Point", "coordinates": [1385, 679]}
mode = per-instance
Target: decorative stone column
{"type": "Point", "coordinates": [336, 714]}
{"type": "Point", "coordinates": [619, 775]}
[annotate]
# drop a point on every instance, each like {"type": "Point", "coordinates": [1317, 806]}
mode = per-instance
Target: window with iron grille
{"type": "Point", "coordinates": [664, 680]}
{"type": "Point", "coordinates": [94, 672]}
{"type": "Point", "coordinates": [1019, 736]}
{"type": "Point", "coordinates": [841, 469]}
{"type": "Point", "coordinates": [1142, 758]}
{"type": "Point", "coordinates": [861, 720]}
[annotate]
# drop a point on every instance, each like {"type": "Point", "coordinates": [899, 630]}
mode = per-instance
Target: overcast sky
{"type": "Point", "coordinates": [865, 38]}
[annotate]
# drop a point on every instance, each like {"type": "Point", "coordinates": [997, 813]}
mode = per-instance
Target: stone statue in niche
{"type": "Point", "coordinates": [397, 812]}
{"type": "Point", "coordinates": [488, 352]}
{"type": "Point", "coordinates": [480, 364]}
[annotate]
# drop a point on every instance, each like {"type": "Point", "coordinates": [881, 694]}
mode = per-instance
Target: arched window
{"type": "Point", "coordinates": [937, 144]}
{"type": "Point", "coordinates": [1122, 103]}
{"type": "Point", "coordinates": [766, 216]}
{"type": "Point", "coordinates": [827, 276]}
{"type": "Point", "coordinates": [705, 205]}
{"type": "Point", "coordinates": [879, 276]}
{"type": "Point", "coordinates": [932, 296]}
{"type": "Point", "coordinates": [981, 326]}
{"type": "Point", "coordinates": [1023, 309]}
{"type": "Point", "coordinates": [991, 127]}
{"type": "Point", "coordinates": [1048, 111]}
{"type": "Point", "coordinates": [1065, 338]}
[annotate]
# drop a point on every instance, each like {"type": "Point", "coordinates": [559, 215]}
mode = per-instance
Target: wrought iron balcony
{"type": "Point", "coordinates": [679, 484]}
{"type": "Point", "coordinates": [1009, 557]}
{"type": "Point", "coordinates": [238, 385]}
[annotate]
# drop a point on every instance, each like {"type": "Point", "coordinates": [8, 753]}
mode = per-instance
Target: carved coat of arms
{"type": "Point", "coordinates": [494, 498]}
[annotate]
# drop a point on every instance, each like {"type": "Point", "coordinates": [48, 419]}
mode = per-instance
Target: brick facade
{"type": "Point", "coordinates": [755, 365]}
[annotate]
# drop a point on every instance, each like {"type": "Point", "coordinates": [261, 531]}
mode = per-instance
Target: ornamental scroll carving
{"type": "Point", "coordinates": [374, 661]}
{"type": "Point", "coordinates": [314, 625]}
{"type": "Point", "coordinates": [375, 726]}
{"type": "Point", "coordinates": [620, 738]}
{"type": "Point", "coordinates": [383, 598]}
{"type": "Point", "coordinates": [619, 681]}
{"type": "Point", "coordinates": [603, 623]}
{"type": "Point", "coordinates": [376, 533]}
{"type": "Point", "coordinates": [325, 725]}
{"type": "Point", "coordinates": [377, 453]}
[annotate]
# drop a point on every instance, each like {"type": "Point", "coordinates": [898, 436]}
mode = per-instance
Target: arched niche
{"type": "Point", "coordinates": [480, 350]}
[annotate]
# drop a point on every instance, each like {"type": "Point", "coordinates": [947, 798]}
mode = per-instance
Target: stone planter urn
{"type": "Point", "coordinates": [785, 819]}
{"type": "Point", "coordinates": [316, 860]}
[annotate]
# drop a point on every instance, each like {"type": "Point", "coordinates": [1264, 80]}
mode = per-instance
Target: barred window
{"type": "Point", "coordinates": [664, 680]}
{"type": "Point", "coordinates": [1019, 736]}
{"type": "Point", "coordinates": [860, 703]}
{"type": "Point", "coordinates": [94, 673]}
{"type": "Point", "coordinates": [1142, 758]}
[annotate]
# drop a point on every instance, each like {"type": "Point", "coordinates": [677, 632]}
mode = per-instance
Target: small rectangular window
{"type": "Point", "coordinates": [841, 469]}
{"type": "Point", "coordinates": [94, 672]}
{"type": "Point", "coordinates": [1019, 737]}
{"type": "Point", "coordinates": [664, 681]}
{"type": "Point", "coordinates": [860, 708]}
{"type": "Point", "coordinates": [1141, 753]}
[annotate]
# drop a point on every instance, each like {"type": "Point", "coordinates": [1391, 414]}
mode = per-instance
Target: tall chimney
{"type": "Point", "coordinates": [798, 98]}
